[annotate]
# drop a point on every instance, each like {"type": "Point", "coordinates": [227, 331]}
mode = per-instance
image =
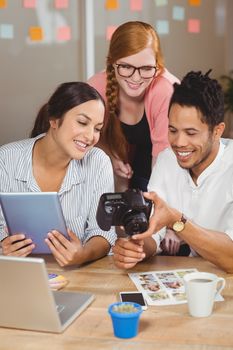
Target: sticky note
{"type": "Point", "coordinates": [64, 33]}
{"type": "Point", "coordinates": [178, 13]}
{"type": "Point", "coordinates": [135, 5]}
{"type": "Point", "coordinates": [194, 2]}
{"type": "Point", "coordinates": [57, 282]}
{"type": "Point", "coordinates": [3, 4]}
{"type": "Point", "coordinates": [36, 33]}
{"type": "Point", "coordinates": [194, 26]}
{"type": "Point", "coordinates": [109, 31]}
{"type": "Point", "coordinates": [29, 4]}
{"type": "Point", "coordinates": [6, 31]}
{"type": "Point", "coordinates": [61, 4]}
{"type": "Point", "coordinates": [162, 27]}
{"type": "Point", "coordinates": [111, 4]}
{"type": "Point", "coordinates": [160, 3]}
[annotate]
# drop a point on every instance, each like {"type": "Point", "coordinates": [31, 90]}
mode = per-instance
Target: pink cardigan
{"type": "Point", "coordinates": [157, 99]}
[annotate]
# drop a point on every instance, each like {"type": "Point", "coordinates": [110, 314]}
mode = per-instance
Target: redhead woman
{"type": "Point", "coordinates": [137, 88]}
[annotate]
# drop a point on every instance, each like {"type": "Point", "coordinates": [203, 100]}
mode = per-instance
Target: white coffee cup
{"type": "Point", "coordinates": [201, 289]}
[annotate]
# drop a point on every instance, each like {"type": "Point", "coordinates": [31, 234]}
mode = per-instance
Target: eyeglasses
{"type": "Point", "coordinates": [126, 71]}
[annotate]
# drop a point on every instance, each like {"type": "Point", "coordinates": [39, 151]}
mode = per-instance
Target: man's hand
{"type": "Point", "coordinates": [128, 252]}
{"type": "Point", "coordinates": [163, 216]}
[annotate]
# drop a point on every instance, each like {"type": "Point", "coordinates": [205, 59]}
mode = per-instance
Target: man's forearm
{"type": "Point", "coordinates": [217, 247]}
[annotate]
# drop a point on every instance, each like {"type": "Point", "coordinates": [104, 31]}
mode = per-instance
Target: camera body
{"type": "Point", "coordinates": [129, 209]}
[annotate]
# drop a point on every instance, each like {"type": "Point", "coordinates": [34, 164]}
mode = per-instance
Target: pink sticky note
{"type": "Point", "coordinates": [61, 4]}
{"type": "Point", "coordinates": [109, 31]}
{"type": "Point", "coordinates": [194, 26]}
{"type": "Point", "coordinates": [29, 4]}
{"type": "Point", "coordinates": [136, 5]}
{"type": "Point", "coordinates": [63, 33]}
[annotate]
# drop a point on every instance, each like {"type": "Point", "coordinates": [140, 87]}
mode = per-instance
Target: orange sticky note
{"type": "Point", "coordinates": [36, 33]}
{"type": "Point", "coordinates": [194, 2]}
{"type": "Point", "coordinates": [61, 4]}
{"type": "Point", "coordinates": [3, 4]}
{"type": "Point", "coordinates": [194, 26]}
{"type": "Point", "coordinates": [29, 4]}
{"type": "Point", "coordinates": [109, 32]}
{"type": "Point", "coordinates": [63, 33]}
{"type": "Point", "coordinates": [111, 4]}
{"type": "Point", "coordinates": [136, 5]}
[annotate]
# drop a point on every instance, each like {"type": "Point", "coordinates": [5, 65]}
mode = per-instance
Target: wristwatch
{"type": "Point", "coordinates": [178, 226]}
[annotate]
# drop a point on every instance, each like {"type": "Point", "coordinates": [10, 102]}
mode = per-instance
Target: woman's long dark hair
{"type": "Point", "coordinates": [65, 97]}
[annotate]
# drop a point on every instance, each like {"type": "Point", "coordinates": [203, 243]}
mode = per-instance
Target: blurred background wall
{"type": "Point", "coordinates": [46, 42]}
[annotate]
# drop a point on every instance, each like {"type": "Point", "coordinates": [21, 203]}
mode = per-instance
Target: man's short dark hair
{"type": "Point", "coordinates": [205, 94]}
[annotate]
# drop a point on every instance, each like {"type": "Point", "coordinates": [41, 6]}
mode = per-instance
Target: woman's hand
{"type": "Point", "coordinates": [122, 169]}
{"type": "Point", "coordinates": [127, 253]}
{"type": "Point", "coordinates": [17, 245]}
{"type": "Point", "coordinates": [171, 243]}
{"type": "Point", "coordinates": [64, 251]}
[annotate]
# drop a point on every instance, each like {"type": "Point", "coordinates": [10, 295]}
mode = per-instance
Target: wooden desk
{"type": "Point", "coordinates": [164, 327]}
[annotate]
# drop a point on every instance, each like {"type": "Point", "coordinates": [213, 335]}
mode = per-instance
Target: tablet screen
{"type": "Point", "coordinates": [34, 214]}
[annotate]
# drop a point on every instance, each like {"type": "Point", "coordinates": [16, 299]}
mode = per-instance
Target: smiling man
{"type": "Point", "coordinates": [191, 184]}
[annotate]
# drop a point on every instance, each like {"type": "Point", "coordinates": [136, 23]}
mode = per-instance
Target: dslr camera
{"type": "Point", "coordinates": [129, 209]}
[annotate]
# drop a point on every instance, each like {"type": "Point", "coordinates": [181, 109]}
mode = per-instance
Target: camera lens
{"type": "Point", "coordinates": [135, 223]}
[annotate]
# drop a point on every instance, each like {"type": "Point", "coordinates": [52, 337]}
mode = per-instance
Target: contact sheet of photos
{"type": "Point", "coordinates": [162, 287]}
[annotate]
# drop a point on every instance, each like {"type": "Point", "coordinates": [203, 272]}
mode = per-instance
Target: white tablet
{"type": "Point", "coordinates": [34, 214]}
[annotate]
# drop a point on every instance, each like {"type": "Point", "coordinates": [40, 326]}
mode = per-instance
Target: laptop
{"type": "Point", "coordinates": [27, 301]}
{"type": "Point", "coordinates": [34, 214]}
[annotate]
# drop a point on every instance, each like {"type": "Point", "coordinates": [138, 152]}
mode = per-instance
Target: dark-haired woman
{"type": "Point", "coordinates": [61, 157]}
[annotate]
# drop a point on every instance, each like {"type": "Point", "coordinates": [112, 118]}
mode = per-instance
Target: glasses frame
{"type": "Point", "coordinates": [118, 65]}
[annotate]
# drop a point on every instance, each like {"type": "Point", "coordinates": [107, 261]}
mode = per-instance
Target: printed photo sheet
{"type": "Point", "coordinates": [163, 287]}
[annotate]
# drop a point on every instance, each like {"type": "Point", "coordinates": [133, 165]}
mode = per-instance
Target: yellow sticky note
{"type": "Point", "coordinates": [194, 2]}
{"type": "Point", "coordinates": [109, 32]}
{"type": "Point", "coordinates": [36, 33]}
{"type": "Point", "coordinates": [3, 4]}
{"type": "Point", "coordinates": [194, 26]}
{"type": "Point", "coordinates": [159, 3]}
{"type": "Point", "coordinates": [111, 4]}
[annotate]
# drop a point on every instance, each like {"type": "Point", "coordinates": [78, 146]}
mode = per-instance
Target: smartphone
{"type": "Point", "coordinates": [134, 297]}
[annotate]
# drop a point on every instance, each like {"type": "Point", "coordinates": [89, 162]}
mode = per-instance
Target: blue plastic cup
{"type": "Point", "coordinates": [125, 325]}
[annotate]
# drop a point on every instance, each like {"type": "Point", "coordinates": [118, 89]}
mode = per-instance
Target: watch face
{"type": "Point", "coordinates": [178, 226]}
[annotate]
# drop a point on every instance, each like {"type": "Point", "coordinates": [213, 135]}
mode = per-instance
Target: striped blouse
{"type": "Point", "coordinates": [84, 182]}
